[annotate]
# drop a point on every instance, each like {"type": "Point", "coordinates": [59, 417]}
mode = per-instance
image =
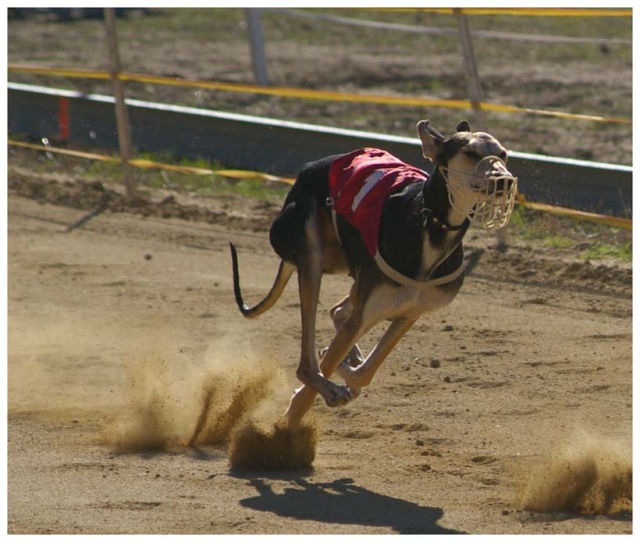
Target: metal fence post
{"type": "Point", "coordinates": [256, 39]}
{"type": "Point", "coordinates": [122, 116]}
{"type": "Point", "coordinates": [476, 96]}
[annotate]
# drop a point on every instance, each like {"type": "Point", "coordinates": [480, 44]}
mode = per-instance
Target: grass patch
{"type": "Point", "coordinates": [586, 240]}
{"type": "Point", "coordinates": [580, 238]}
{"type": "Point", "coordinates": [209, 184]}
{"type": "Point", "coordinates": [558, 241]}
{"type": "Point", "coordinates": [603, 251]}
{"type": "Point", "coordinates": [61, 167]}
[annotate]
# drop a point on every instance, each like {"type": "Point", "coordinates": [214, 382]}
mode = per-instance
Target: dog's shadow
{"type": "Point", "coordinates": [344, 502]}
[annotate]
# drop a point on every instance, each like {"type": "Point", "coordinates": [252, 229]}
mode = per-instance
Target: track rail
{"type": "Point", "coordinates": [281, 147]}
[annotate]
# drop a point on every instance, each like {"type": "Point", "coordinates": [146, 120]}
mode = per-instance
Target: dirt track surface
{"type": "Point", "coordinates": [124, 337]}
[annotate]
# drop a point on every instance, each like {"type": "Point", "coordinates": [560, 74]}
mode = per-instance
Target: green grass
{"type": "Point", "coordinates": [579, 238]}
{"type": "Point", "coordinates": [604, 251]}
{"type": "Point", "coordinates": [110, 173]}
{"type": "Point", "coordinates": [201, 36]}
{"type": "Point", "coordinates": [583, 239]}
{"type": "Point", "coordinates": [557, 241]}
{"type": "Point", "coordinates": [201, 184]}
{"type": "Point", "coordinates": [588, 241]}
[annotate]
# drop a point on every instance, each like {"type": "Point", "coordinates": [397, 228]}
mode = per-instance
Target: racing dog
{"type": "Point", "coordinates": [396, 231]}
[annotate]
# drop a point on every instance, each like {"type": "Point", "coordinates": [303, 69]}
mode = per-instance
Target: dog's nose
{"type": "Point", "coordinates": [502, 183]}
{"type": "Point", "coordinates": [498, 168]}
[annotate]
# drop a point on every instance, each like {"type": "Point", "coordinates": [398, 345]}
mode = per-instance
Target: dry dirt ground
{"type": "Point", "coordinates": [131, 372]}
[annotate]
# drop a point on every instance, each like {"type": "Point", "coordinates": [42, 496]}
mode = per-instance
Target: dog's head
{"type": "Point", "coordinates": [474, 166]}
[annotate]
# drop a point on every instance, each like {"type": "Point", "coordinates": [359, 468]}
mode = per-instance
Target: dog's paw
{"type": "Point", "coordinates": [338, 396]}
{"type": "Point", "coordinates": [355, 392]}
{"type": "Point", "coordinates": [347, 372]}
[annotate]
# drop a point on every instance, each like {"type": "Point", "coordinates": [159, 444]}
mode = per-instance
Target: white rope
{"type": "Point", "coordinates": [395, 275]}
{"type": "Point", "coordinates": [541, 38]}
{"type": "Point", "coordinates": [403, 280]}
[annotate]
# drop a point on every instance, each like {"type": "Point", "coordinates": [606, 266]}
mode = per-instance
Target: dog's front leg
{"type": "Point", "coordinates": [362, 375]}
{"type": "Point", "coordinates": [340, 313]}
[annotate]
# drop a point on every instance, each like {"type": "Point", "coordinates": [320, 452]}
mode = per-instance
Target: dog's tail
{"type": "Point", "coordinates": [284, 274]}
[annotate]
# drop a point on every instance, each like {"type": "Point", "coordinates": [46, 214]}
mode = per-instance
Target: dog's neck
{"type": "Point", "coordinates": [438, 211]}
{"type": "Point", "coordinates": [443, 228]}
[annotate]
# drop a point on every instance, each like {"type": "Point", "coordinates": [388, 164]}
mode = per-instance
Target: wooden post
{"type": "Point", "coordinates": [256, 39]}
{"type": "Point", "coordinates": [122, 115]}
{"type": "Point", "coordinates": [476, 96]}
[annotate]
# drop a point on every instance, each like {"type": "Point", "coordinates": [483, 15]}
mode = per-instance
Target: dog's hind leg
{"type": "Point", "coordinates": [310, 268]}
{"type": "Point", "coordinates": [342, 344]}
{"type": "Point", "coordinates": [303, 398]}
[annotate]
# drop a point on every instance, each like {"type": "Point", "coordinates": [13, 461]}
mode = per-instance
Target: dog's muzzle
{"type": "Point", "coordinates": [490, 196]}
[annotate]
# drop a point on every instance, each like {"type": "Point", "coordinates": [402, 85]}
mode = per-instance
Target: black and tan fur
{"type": "Point", "coordinates": [420, 236]}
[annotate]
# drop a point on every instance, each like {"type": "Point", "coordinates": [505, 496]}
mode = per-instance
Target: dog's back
{"type": "Point", "coordinates": [311, 187]}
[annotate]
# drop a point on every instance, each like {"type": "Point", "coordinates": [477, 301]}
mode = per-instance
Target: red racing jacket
{"type": "Point", "coordinates": [359, 184]}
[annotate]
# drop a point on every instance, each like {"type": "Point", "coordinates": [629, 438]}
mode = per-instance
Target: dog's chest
{"type": "Point", "coordinates": [388, 302]}
{"type": "Point", "coordinates": [359, 184]}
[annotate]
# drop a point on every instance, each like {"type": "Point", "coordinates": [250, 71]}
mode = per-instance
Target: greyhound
{"type": "Point", "coordinates": [396, 230]}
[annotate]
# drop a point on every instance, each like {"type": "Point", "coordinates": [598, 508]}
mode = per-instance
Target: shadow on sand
{"type": "Point", "coordinates": [344, 502]}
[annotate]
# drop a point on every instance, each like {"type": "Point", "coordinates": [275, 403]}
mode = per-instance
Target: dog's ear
{"type": "Point", "coordinates": [431, 139]}
{"type": "Point", "coordinates": [463, 126]}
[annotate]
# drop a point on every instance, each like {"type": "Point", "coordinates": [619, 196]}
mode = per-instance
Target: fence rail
{"type": "Point", "coordinates": [309, 94]}
{"type": "Point", "coordinates": [281, 147]}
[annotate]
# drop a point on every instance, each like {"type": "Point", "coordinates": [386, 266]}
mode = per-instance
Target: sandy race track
{"type": "Point", "coordinates": [508, 412]}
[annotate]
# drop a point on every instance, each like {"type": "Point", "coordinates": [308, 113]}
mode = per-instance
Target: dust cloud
{"type": "Point", "coordinates": [145, 391]}
{"type": "Point", "coordinates": [589, 475]}
{"type": "Point", "coordinates": [59, 367]}
{"type": "Point", "coordinates": [232, 398]}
